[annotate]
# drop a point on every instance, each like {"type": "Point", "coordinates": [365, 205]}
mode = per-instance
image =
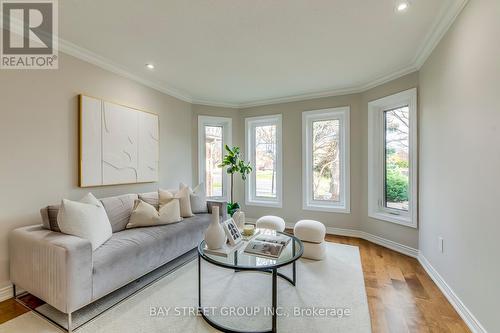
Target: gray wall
{"type": "Point", "coordinates": [39, 139]}
{"type": "Point", "coordinates": [460, 159]}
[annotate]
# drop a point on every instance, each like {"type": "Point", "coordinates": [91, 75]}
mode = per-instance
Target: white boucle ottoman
{"type": "Point", "coordinates": [312, 234]}
{"type": "Point", "coordinates": [271, 222]}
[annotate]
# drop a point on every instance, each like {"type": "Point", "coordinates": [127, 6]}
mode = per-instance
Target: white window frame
{"type": "Point", "coordinates": [308, 117]}
{"type": "Point", "coordinates": [376, 206]}
{"type": "Point", "coordinates": [250, 124]}
{"type": "Point", "coordinates": [226, 124]}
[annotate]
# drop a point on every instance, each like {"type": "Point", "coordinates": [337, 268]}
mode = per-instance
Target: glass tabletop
{"type": "Point", "coordinates": [241, 260]}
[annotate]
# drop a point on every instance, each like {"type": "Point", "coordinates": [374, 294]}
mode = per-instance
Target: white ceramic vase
{"type": "Point", "coordinates": [239, 219]}
{"type": "Point", "coordinates": [215, 237]}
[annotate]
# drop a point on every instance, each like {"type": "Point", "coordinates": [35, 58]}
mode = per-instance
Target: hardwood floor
{"type": "Point", "coordinates": [401, 296]}
{"type": "Point", "coordinates": [10, 309]}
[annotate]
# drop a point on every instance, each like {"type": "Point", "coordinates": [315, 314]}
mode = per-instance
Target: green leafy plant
{"type": "Point", "coordinates": [234, 164]}
{"type": "Point", "coordinates": [397, 186]}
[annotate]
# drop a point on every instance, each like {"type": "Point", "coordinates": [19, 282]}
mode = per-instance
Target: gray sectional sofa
{"type": "Point", "coordinates": [63, 271]}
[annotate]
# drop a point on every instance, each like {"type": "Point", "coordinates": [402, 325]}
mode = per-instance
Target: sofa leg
{"type": "Point", "coordinates": [70, 324]}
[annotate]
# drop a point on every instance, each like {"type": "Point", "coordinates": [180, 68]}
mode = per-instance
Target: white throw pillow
{"type": "Point", "coordinates": [143, 215]}
{"type": "Point", "coordinates": [146, 215]}
{"type": "Point", "coordinates": [170, 212]}
{"type": "Point", "coordinates": [184, 201]}
{"type": "Point", "coordinates": [86, 219]}
{"type": "Point", "coordinates": [184, 195]}
{"type": "Point", "coordinates": [198, 199]}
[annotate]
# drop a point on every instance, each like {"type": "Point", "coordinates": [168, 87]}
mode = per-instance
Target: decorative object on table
{"type": "Point", "coordinates": [232, 232]}
{"type": "Point", "coordinates": [239, 219]}
{"type": "Point", "coordinates": [224, 251]}
{"type": "Point", "coordinates": [271, 222]}
{"type": "Point", "coordinates": [249, 237]}
{"type": "Point", "coordinates": [215, 236]}
{"type": "Point", "coordinates": [118, 144]}
{"type": "Point", "coordinates": [248, 230]}
{"type": "Point", "coordinates": [312, 234]}
{"type": "Point", "coordinates": [234, 165]}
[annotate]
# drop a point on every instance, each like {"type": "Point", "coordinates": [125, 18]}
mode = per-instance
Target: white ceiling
{"type": "Point", "coordinates": [250, 52]}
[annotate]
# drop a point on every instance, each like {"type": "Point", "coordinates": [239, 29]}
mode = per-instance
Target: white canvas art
{"type": "Point", "coordinates": [118, 144]}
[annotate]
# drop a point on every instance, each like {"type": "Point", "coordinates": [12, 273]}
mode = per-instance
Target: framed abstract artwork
{"type": "Point", "coordinates": [118, 144]}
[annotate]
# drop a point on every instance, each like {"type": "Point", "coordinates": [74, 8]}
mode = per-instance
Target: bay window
{"type": "Point", "coordinates": [392, 158]}
{"type": "Point", "coordinates": [213, 134]}
{"type": "Point", "coordinates": [325, 150]}
{"type": "Point", "coordinates": [263, 150]}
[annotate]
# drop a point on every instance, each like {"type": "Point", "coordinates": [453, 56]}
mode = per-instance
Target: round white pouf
{"type": "Point", "coordinates": [310, 231]}
{"type": "Point", "coordinates": [314, 251]}
{"type": "Point", "coordinates": [271, 222]}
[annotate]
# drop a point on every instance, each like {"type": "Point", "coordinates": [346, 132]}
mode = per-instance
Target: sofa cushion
{"type": "Point", "coordinates": [119, 209]}
{"type": "Point", "coordinates": [131, 253]}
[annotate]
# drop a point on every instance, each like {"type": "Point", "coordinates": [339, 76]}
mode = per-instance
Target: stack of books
{"type": "Point", "coordinates": [267, 246]}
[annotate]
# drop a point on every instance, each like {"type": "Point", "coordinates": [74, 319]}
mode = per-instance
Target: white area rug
{"type": "Point", "coordinates": [324, 290]}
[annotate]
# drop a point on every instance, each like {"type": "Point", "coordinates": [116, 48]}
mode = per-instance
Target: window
{"type": "Point", "coordinates": [263, 150]}
{"type": "Point", "coordinates": [392, 158]}
{"type": "Point", "coordinates": [213, 134]}
{"type": "Point", "coordinates": [325, 170]}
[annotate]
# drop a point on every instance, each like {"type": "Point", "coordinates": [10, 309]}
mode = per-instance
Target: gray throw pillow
{"type": "Point", "coordinates": [49, 217]}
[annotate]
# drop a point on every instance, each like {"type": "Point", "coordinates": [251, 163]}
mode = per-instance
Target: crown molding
{"type": "Point", "coordinates": [104, 63]}
{"type": "Point", "coordinates": [208, 102]}
{"type": "Point", "coordinates": [335, 92]}
{"type": "Point", "coordinates": [439, 28]}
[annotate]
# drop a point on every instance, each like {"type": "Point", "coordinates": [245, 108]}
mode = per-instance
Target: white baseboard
{"type": "Point", "coordinates": [401, 248]}
{"type": "Point", "coordinates": [467, 316]}
{"type": "Point", "coordinates": [5, 293]}
{"type": "Point", "coordinates": [404, 249]}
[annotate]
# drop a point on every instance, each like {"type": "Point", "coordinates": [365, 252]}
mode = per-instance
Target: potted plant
{"type": "Point", "coordinates": [234, 164]}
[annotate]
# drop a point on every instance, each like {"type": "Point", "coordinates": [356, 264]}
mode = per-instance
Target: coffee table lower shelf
{"type": "Point", "coordinates": [273, 271]}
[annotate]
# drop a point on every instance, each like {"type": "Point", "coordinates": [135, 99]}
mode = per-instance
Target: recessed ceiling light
{"type": "Point", "coordinates": [402, 6]}
{"type": "Point", "coordinates": [150, 66]}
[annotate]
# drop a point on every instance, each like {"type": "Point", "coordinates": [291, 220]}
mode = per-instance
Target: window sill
{"type": "Point", "coordinates": [398, 219]}
{"type": "Point", "coordinates": [326, 208]}
{"type": "Point", "coordinates": [264, 203]}
{"type": "Point", "coordinates": [217, 199]}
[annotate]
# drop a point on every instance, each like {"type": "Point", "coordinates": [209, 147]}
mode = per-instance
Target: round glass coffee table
{"type": "Point", "coordinates": [240, 261]}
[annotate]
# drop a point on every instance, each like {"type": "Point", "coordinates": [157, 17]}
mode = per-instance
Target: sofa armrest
{"type": "Point", "coordinates": [52, 266]}
{"type": "Point", "coordinates": [222, 207]}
